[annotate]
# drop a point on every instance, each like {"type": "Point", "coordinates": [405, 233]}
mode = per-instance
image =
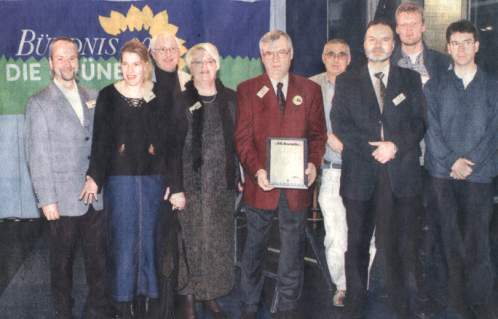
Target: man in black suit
{"type": "Point", "coordinates": [378, 113]}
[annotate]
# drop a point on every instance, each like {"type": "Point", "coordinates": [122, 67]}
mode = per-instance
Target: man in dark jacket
{"type": "Point", "coordinates": [412, 53]}
{"type": "Point", "coordinates": [462, 139]}
{"type": "Point", "coordinates": [378, 114]}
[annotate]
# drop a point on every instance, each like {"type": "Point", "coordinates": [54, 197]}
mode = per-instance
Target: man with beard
{"type": "Point", "coordinates": [378, 115]}
{"type": "Point", "coordinates": [58, 138]}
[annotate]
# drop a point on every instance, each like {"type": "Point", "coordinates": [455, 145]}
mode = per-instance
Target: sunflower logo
{"type": "Point", "coordinates": [138, 20]}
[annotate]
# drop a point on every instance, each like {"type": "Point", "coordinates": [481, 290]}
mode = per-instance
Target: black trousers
{"type": "Point", "coordinates": [463, 210]}
{"type": "Point", "coordinates": [291, 261]}
{"type": "Point", "coordinates": [64, 235]}
{"type": "Point", "coordinates": [396, 221]}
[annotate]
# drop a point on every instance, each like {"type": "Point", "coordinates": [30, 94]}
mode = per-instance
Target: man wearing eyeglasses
{"type": "Point", "coordinates": [461, 157]}
{"type": "Point", "coordinates": [336, 58]}
{"type": "Point", "coordinates": [276, 104]}
{"type": "Point", "coordinates": [165, 51]}
{"type": "Point", "coordinates": [378, 114]}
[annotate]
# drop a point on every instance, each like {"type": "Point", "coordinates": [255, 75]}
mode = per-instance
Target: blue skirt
{"type": "Point", "coordinates": [132, 205]}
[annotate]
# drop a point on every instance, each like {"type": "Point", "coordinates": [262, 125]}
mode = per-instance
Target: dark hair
{"type": "Point", "coordinates": [462, 26]}
{"type": "Point", "coordinates": [375, 22]}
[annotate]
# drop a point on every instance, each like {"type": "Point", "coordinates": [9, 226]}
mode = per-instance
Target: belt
{"type": "Point", "coordinates": [328, 164]}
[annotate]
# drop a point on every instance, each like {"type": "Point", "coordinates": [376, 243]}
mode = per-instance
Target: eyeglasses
{"type": "Point", "coordinates": [465, 43]}
{"type": "Point", "coordinates": [282, 53]}
{"type": "Point", "coordinates": [339, 55]}
{"type": "Point", "coordinates": [209, 62]}
{"type": "Point", "coordinates": [165, 50]}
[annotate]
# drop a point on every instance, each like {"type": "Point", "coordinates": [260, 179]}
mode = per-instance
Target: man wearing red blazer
{"type": "Point", "coordinates": [276, 104]}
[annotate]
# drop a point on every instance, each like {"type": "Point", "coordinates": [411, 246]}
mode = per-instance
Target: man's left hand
{"type": "Point", "coordinates": [311, 173]}
{"type": "Point", "coordinates": [89, 192]}
{"type": "Point", "coordinates": [384, 152]}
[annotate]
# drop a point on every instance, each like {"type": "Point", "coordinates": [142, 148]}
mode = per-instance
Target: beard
{"type": "Point", "coordinates": [377, 58]}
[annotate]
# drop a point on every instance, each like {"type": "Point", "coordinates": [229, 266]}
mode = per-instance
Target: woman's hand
{"type": "Point", "coordinates": [177, 201]}
{"type": "Point", "coordinates": [89, 192]}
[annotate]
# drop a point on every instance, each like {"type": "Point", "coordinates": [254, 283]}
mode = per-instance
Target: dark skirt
{"type": "Point", "coordinates": [132, 203]}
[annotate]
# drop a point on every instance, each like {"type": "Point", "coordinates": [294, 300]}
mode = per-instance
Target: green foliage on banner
{"type": "Point", "coordinates": [19, 79]}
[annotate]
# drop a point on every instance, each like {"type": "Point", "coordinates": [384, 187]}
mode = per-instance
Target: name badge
{"type": "Point", "coordinates": [149, 96]}
{"type": "Point", "coordinates": [91, 104]}
{"type": "Point", "coordinates": [262, 92]}
{"type": "Point", "coordinates": [197, 105]}
{"type": "Point", "coordinates": [400, 98]}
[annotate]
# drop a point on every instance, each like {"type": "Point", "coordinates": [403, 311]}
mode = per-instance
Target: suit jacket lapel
{"type": "Point", "coordinates": [86, 111]}
{"type": "Point", "coordinates": [393, 87]}
{"type": "Point", "coordinates": [292, 91]}
{"type": "Point", "coordinates": [64, 105]}
{"type": "Point", "coordinates": [270, 98]}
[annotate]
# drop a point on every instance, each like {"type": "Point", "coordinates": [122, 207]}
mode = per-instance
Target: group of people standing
{"type": "Point", "coordinates": [160, 150]}
{"type": "Point", "coordinates": [411, 154]}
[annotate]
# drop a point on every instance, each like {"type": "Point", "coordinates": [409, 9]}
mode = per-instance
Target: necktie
{"type": "Point", "coordinates": [280, 96]}
{"type": "Point", "coordinates": [381, 92]}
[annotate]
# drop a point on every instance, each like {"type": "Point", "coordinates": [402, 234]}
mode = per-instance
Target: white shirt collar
{"type": "Point", "coordinates": [285, 82]}
{"type": "Point", "coordinates": [385, 70]}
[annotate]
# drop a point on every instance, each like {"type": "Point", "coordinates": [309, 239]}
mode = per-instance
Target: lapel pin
{"type": "Point", "coordinates": [297, 100]}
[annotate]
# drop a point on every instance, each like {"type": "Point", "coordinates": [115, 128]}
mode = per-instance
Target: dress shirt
{"type": "Point", "coordinates": [284, 81]}
{"type": "Point", "coordinates": [73, 97]}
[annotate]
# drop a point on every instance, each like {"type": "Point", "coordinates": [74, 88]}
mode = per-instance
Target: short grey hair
{"type": "Point", "coordinates": [337, 41]}
{"type": "Point", "coordinates": [206, 47]}
{"type": "Point", "coordinates": [273, 36]}
{"type": "Point", "coordinates": [162, 34]}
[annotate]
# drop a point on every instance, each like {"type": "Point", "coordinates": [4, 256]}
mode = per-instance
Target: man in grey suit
{"type": "Point", "coordinates": [59, 123]}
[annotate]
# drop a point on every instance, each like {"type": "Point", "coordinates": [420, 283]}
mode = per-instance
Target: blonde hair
{"type": "Point", "coordinates": [206, 47]}
{"type": "Point", "coordinates": [136, 46]}
{"type": "Point", "coordinates": [409, 7]}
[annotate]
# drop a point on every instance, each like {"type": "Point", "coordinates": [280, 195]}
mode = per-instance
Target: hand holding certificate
{"type": "Point", "coordinates": [286, 162]}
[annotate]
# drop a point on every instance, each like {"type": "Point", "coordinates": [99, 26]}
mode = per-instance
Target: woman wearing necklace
{"type": "Point", "coordinates": [205, 120]}
{"type": "Point", "coordinates": [127, 160]}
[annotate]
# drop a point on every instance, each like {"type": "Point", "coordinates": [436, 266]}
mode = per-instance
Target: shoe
{"type": "Point", "coordinates": [484, 311]}
{"type": "Point", "coordinates": [105, 311]}
{"type": "Point", "coordinates": [187, 310]}
{"type": "Point", "coordinates": [248, 315]}
{"type": "Point", "coordinates": [126, 309]}
{"type": "Point", "coordinates": [338, 299]}
{"type": "Point", "coordinates": [288, 314]}
{"type": "Point", "coordinates": [215, 309]}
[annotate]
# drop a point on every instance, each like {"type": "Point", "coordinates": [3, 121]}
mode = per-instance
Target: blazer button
{"type": "Point", "coordinates": [88, 157]}
{"type": "Point", "coordinates": [87, 138]}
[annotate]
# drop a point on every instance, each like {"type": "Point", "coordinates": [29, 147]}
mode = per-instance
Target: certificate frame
{"type": "Point", "coordinates": [286, 161]}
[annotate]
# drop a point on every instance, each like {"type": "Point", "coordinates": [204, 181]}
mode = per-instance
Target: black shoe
{"type": "Point", "coordinates": [126, 310]}
{"type": "Point", "coordinates": [248, 315]}
{"type": "Point", "coordinates": [484, 311]}
{"type": "Point", "coordinates": [105, 311]}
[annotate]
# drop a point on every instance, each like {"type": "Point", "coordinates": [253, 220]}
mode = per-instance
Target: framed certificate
{"type": "Point", "coordinates": [286, 162]}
